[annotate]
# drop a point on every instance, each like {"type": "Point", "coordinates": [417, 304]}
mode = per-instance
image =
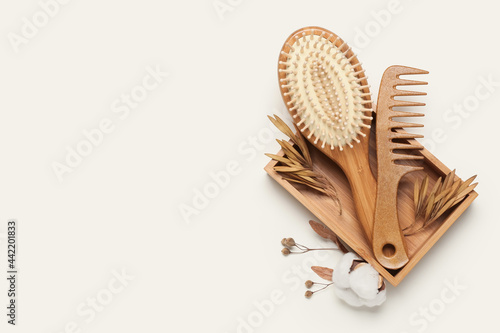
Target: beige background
{"type": "Point", "coordinates": [118, 211]}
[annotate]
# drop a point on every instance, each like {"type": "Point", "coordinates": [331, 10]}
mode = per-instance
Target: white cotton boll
{"type": "Point", "coordinates": [378, 300]}
{"type": "Point", "coordinates": [364, 281]}
{"type": "Point", "coordinates": [359, 287]}
{"type": "Point", "coordinates": [340, 275]}
{"type": "Point", "coordinates": [348, 296]}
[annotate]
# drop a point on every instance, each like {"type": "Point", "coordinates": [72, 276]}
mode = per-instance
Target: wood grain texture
{"type": "Point", "coordinates": [348, 227]}
{"type": "Point", "coordinates": [389, 245]}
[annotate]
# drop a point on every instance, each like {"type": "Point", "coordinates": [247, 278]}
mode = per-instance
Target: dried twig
{"type": "Point", "coordinates": [445, 194]}
{"type": "Point", "coordinates": [296, 164]}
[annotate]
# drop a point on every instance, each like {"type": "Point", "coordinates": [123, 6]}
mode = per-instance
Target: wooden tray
{"type": "Point", "coordinates": [347, 226]}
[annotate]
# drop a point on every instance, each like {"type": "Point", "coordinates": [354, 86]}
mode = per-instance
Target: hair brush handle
{"type": "Point", "coordinates": [357, 169]}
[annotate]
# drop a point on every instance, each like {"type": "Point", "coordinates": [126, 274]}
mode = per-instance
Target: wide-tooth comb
{"type": "Point", "coordinates": [389, 246]}
{"type": "Point", "coordinates": [325, 90]}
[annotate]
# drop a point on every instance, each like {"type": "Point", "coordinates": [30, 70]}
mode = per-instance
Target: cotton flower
{"type": "Point", "coordinates": [341, 272]}
{"type": "Point", "coordinates": [357, 287]}
{"type": "Point", "coordinates": [364, 281]}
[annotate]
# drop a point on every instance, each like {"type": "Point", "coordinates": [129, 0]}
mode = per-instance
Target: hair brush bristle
{"type": "Point", "coordinates": [323, 89]}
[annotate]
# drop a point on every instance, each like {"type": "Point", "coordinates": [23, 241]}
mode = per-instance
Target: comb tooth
{"type": "Point", "coordinates": [394, 114]}
{"type": "Point", "coordinates": [406, 103]}
{"type": "Point", "coordinates": [410, 71]}
{"type": "Point", "coordinates": [404, 82]}
{"type": "Point", "coordinates": [395, 157]}
{"type": "Point", "coordinates": [404, 135]}
{"type": "Point", "coordinates": [398, 92]}
{"type": "Point", "coordinates": [400, 124]}
{"type": "Point", "coordinates": [408, 168]}
{"type": "Point", "coordinates": [405, 146]}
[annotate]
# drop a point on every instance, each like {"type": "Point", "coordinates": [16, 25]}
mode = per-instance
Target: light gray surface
{"type": "Point", "coordinates": [119, 208]}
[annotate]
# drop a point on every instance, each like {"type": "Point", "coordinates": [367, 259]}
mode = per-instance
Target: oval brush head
{"type": "Point", "coordinates": [326, 92]}
{"type": "Point", "coordinates": [325, 88]}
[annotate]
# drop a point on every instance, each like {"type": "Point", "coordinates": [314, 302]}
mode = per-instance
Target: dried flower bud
{"type": "Point", "coordinates": [283, 242]}
{"type": "Point", "coordinates": [308, 294]}
{"type": "Point", "coordinates": [358, 265]}
{"type": "Point", "coordinates": [309, 284]}
{"type": "Point", "coordinates": [290, 242]}
{"type": "Point", "coordinates": [285, 251]}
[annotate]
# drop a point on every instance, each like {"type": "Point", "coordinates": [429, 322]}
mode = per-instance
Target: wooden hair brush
{"type": "Point", "coordinates": [325, 90]}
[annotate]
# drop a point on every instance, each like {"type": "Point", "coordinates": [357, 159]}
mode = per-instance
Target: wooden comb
{"type": "Point", "coordinates": [389, 246]}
